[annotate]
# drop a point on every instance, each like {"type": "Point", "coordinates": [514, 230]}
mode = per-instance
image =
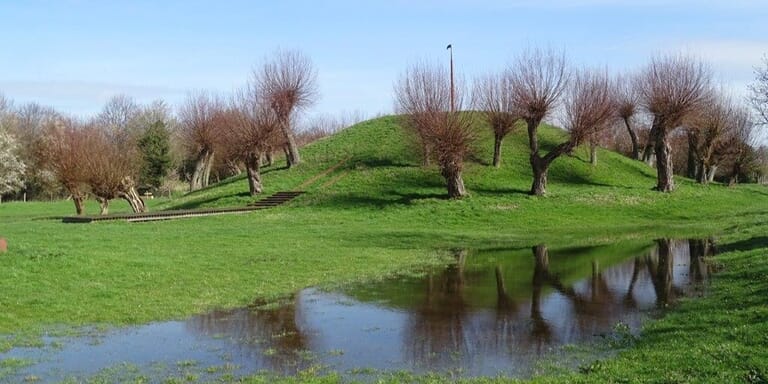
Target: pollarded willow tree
{"type": "Point", "coordinates": [742, 141]}
{"type": "Point", "coordinates": [110, 169]}
{"type": "Point", "coordinates": [423, 95]}
{"type": "Point", "coordinates": [201, 118]}
{"type": "Point", "coordinates": [253, 132]}
{"type": "Point", "coordinates": [288, 84]}
{"type": "Point", "coordinates": [627, 99]}
{"type": "Point", "coordinates": [493, 96]}
{"type": "Point", "coordinates": [671, 88]}
{"type": "Point", "coordinates": [62, 151]}
{"type": "Point", "coordinates": [588, 111]}
{"type": "Point", "coordinates": [708, 136]}
{"type": "Point", "coordinates": [537, 79]}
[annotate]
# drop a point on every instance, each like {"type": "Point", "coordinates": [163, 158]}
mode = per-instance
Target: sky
{"type": "Point", "coordinates": [75, 55]}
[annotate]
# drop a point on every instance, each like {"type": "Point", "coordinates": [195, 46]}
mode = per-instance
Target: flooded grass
{"type": "Point", "coordinates": [516, 313]}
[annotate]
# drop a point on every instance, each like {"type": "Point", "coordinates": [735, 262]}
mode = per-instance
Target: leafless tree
{"type": "Point", "coordinates": [109, 170]}
{"type": "Point", "coordinates": [63, 152]}
{"type": "Point", "coordinates": [200, 122]}
{"type": "Point", "coordinates": [118, 119]}
{"type": "Point", "coordinates": [288, 83]}
{"type": "Point", "coordinates": [423, 95]}
{"type": "Point", "coordinates": [537, 79]}
{"type": "Point", "coordinates": [253, 132]}
{"type": "Point", "coordinates": [671, 88]}
{"type": "Point", "coordinates": [708, 138]}
{"type": "Point", "coordinates": [743, 140]}
{"type": "Point", "coordinates": [627, 100]}
{"type": "Point", "coordinates": [493, 96]}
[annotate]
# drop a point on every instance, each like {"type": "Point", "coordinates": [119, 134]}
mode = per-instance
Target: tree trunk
{"type": "Point", "coordinates": [253, 169]}
{"type": "Point", "coordinates": [664, 175]}
{"type": "Point", "coordinates": [539, 187]}
{"type": "Point", "coordinates": [426, 152]}
{"type": "Point", "coordinates": [497, 150]}
{"type": "Point", "coordinates": [593, 153]}
{"type": "Point", "coordinates": [103, 204]}
{"type": "Point", "coordinates": [633, 137]}
{"type": "Point", "coordinates": [202, 170]}
{"type": "Point", "coordinates": [692, 166]}
{"type": "Point", "coordinates": [207, 175]}
{"type": "Point", "coordinates": [734, 179]}
{"type": "Point", "coordinates": [712, 170]}
{"type": "Point", "coordinates": [131, 196]}
{"type": "Point", "coordinates": [292, 153]}
{"type": "Point", "coordinates": [701, 172]}
{"type": "Point", "coordinates": [648, 152]}
{"type": "Point", "coordinates": [455, 183]}
{"type": "Point", "coordinates": [79, 203]}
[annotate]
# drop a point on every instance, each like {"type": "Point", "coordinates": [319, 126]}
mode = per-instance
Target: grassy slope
{"type": "Point", "coordinates": [384, 215]}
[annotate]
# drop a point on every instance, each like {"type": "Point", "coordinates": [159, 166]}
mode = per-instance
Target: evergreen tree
{"type": "Point", "coordinates": [155, 147]}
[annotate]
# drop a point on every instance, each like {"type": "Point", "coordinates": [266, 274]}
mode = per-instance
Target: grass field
{"type": "Point", "coordinates": [380, 214]}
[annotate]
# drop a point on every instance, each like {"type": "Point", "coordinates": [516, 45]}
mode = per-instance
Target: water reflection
{"type": "Point", "coordinates": [490, 312]}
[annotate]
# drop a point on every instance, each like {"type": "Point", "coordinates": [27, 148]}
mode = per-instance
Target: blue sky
{"type": "Point", "coordinates": [74, 55]}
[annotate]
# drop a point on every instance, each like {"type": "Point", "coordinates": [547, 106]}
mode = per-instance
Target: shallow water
{"type": "Point", "coordinates": [491, 312]}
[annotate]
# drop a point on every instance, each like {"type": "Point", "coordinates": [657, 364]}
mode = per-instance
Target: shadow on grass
{"type": "Point", "coordinates": [500, 191]}
{"type": "Point", "coordinates": [746, 245]}
{"type": "Point", "coordinates": [387, 199]}
{"type": "Point", "coordinates": [198, 203]}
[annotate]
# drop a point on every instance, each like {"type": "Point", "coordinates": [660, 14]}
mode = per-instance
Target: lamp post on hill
{"type": "Point", "coordinates": [453, 92]}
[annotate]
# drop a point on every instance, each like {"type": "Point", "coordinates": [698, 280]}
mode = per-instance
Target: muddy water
{"type": "Point", "coordinates": [491, 312]}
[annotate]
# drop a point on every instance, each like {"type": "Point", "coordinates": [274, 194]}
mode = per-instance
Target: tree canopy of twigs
{"type": "Point", "coordinates": [493, 96]}
{"type": "Point", "coordinates": [627, 99]}
{"type": "Point", "coordinates": [538, 79]}
{"type": "Point", "coordinates": [201, 117]}
{"type": "Point", "coordinates": [423, 95]}
{"type": "Point", "coordinates": [288, 83]}
{"type": "Point", "coordinates": [252, 133]}
{"type": "Point", "coordinates": [670, 89]}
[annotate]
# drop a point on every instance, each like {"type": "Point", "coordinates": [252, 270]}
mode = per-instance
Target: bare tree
{"type": "Point", "coordinates": [423, 95]}
{"type": "Point", "coordinates": [708, 138]}
{"type": "Point", "coordinates": [493, 96]}
{"type": "Point", "coordinates": [537, 79]}
{"type": "Point", "coordinates": [118, 117]}
{"type": "Point", "coordinates": [288, 83]}
{"type": "Point", "coordinates": [201, 117]}
{"type": "Point", "coordinates": [63, 152]}
{"type": "Point", "coordinates": [742, 142]}
{"type": "Point", "coordinates": [627, 100]}
{"type": "Point", "coordinates": [253, 132]}
{"type": "Point", "coordinates": [670, 88]}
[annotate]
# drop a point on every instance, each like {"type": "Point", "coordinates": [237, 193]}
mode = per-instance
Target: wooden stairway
{"type": "Point", "coordinates": [276, 199]}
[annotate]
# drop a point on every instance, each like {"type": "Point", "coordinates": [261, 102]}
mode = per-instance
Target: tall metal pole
{"type": "Point", "coordinates": [453, 90]}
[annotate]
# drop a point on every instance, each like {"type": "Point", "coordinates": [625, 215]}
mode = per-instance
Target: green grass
{"type": "Point", "coordinates": [385, 215]}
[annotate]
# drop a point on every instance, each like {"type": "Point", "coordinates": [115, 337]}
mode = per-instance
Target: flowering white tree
{"type": "Point", "coordinates": [11, 168]}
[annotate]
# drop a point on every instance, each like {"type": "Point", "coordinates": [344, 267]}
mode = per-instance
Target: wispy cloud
{"type": "Point", "coordinates": [85, 97]}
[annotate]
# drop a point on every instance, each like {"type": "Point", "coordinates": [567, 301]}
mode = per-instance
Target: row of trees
{"type": "Point", "coordinates": [673, 96]}
{"type": "Point", "coordinates": [128, 147]}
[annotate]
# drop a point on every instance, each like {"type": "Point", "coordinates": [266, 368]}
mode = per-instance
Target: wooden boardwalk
{"type": "Point", "coordinates": [274, 200]}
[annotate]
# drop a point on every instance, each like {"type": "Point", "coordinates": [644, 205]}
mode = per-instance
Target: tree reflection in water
{"type": "Point", "coordinates": [481, 315]}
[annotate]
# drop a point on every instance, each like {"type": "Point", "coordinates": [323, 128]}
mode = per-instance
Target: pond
{"type": "Point", "coordinates": [491, 312]}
